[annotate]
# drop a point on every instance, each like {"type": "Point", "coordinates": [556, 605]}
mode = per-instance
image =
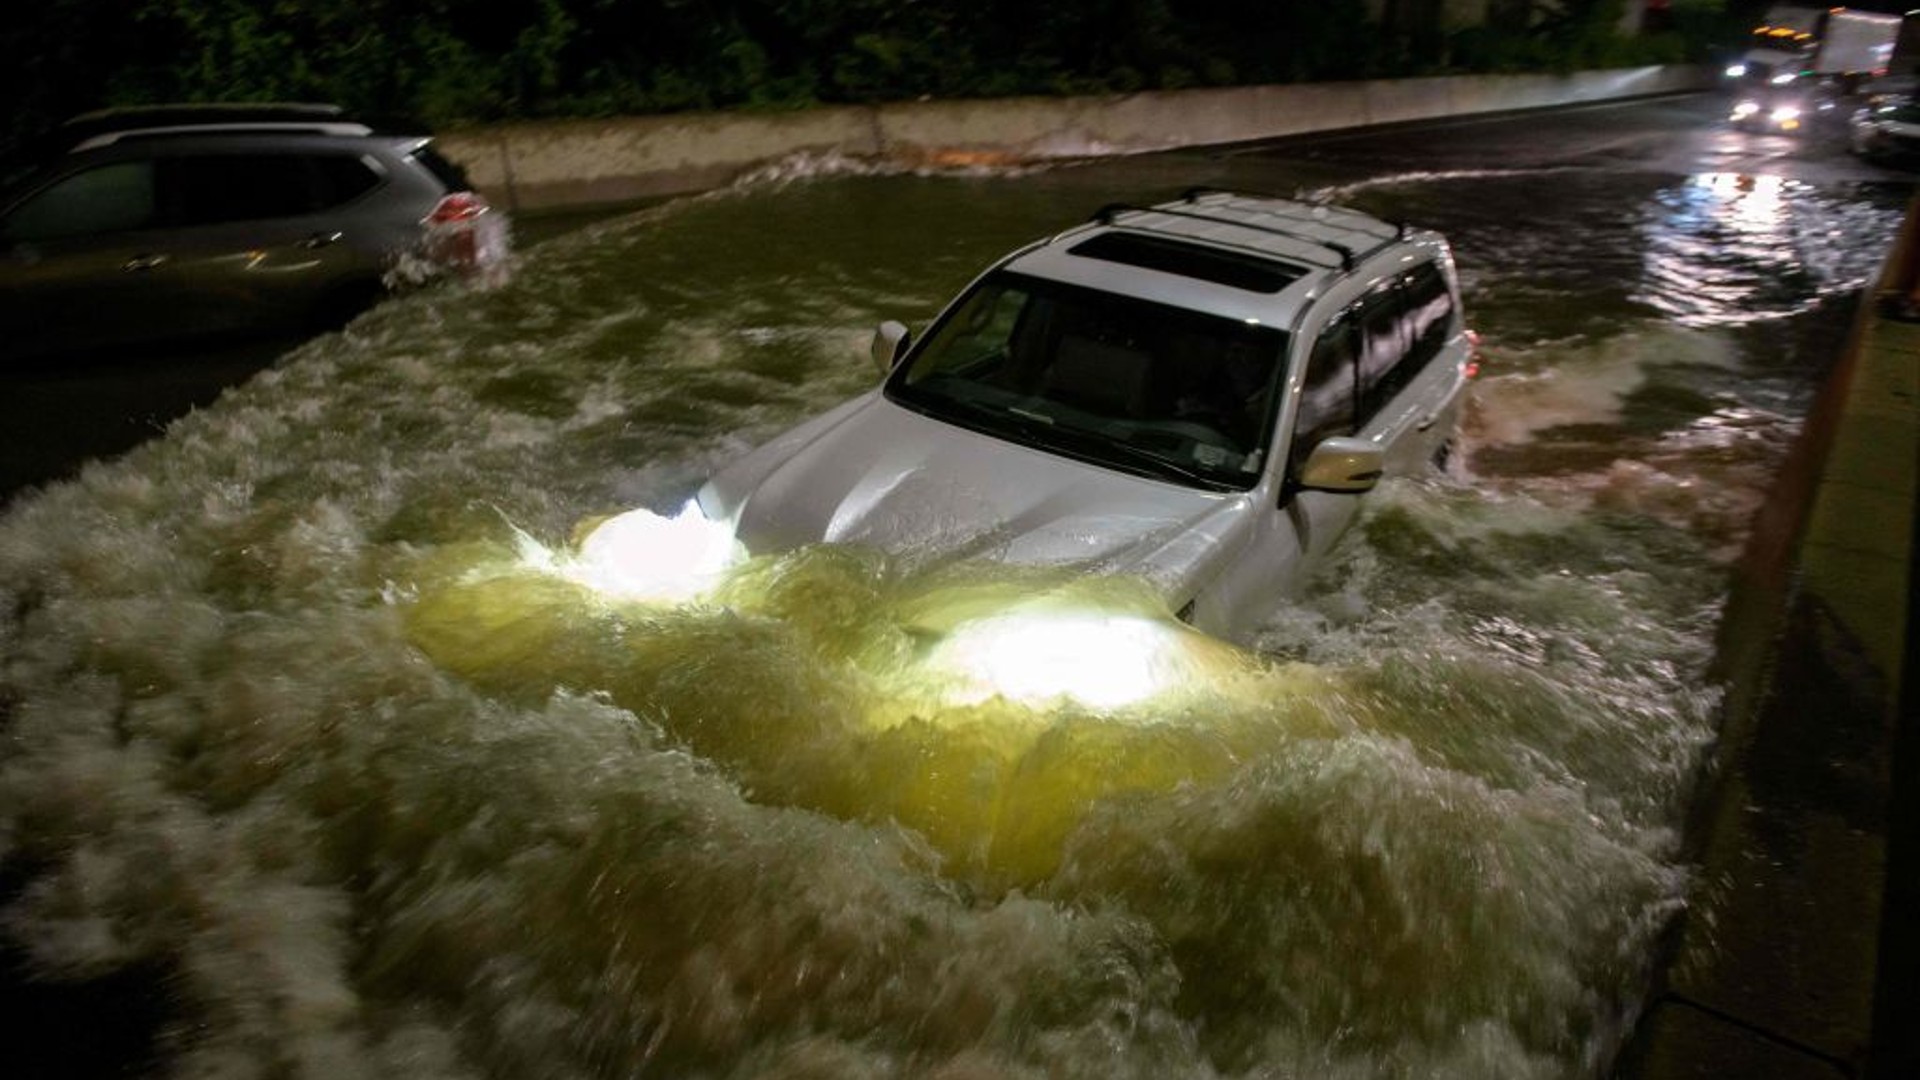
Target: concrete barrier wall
{"type": "Point", "coordinates": [570, 163]}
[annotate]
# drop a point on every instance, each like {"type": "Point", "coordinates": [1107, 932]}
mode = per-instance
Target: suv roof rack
{"type": "Point", "coordinates": [108, 126]}
{"type": "Point", "coordinates": [1351, 235]}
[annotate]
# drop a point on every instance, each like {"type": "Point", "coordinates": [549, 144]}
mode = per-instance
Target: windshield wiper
{"type": "Point", "coordinates": [995, 418]}
{"type": "Point", "coordinates": [1162, 463]}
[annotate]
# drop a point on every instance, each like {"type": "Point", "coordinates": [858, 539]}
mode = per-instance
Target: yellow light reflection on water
{"type": "Point", "coordinates": [1098, 659]}
{"type": "Point", "coordinates": [988, 709]}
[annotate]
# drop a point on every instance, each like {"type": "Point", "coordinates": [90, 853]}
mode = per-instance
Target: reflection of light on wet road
{"type": "Point", "coordinates": [1725, 248]}
{"type": "Point", "coordinates": [1755, 204]}
{"type": "Point", "coordinates": [1714, 244]}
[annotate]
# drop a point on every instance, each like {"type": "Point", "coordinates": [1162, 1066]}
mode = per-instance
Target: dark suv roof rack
{"type": "Point", "coordinates": [1349, 254]}
{"type": "Point", "coordinates": [145, 121]}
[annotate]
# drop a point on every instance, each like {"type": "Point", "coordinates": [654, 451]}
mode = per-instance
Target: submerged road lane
{"type": "Point", "coordinates": [1793, 959]}
{"type": "Point", "coordinates": [309, 746]}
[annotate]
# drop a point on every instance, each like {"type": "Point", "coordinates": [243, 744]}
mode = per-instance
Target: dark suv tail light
{"type": "Point", "coordinates": [463, 234]}
{"type": "Point", "coordinates": [459, 206]}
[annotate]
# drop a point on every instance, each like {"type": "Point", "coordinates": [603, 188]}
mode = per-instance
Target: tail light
{"type": "Point", "coordinates": [463, 234]}
{"type": "Point", "coordinates": [1473, 353]}
{"type": "Point", "coordinates": [457, 207]}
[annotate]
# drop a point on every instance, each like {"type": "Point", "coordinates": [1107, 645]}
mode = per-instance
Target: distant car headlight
{"type": "Point", "coordinates": [1786, 116]}
{"type": "Point", "coordinates": [1745, 109]}
{"type": "Point", "coordinates": [1735, 71]}
{"type": "Point", "coordinates": [1783, 80]}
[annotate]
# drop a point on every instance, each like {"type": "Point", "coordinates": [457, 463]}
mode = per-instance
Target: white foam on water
{"type": "Point", "coordinates": [1527, 388]}
{"type": "Point", "coordinates": [1424, 177]}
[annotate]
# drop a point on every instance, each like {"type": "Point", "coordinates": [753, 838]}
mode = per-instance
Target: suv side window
{"type": "Point", "coordinates": [339, 179]}
{"type": "Point", "coordinates": [117, 197]}
{"type": "Point", "coordinates": [1407, 323]}
{"type": "Point", "coordinates": [1430, 312]}
{"type": "Point", "coordinates": [1327, 393]}
{"type": "Point", "coordinates": [1384, 344]}
{"type": "Point", "coordinates": [213, 189]}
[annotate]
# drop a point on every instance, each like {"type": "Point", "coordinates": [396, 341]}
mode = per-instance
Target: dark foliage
{"type": "Point", "coordinates": [455, 62]}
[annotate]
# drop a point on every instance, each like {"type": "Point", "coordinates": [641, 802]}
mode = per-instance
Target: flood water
{"type": "Point", "coordinates": [301, 718]}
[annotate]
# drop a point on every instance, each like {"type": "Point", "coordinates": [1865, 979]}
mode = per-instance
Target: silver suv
{"type": "Point", "coordinates": [163, 222]}
{"type": "Point", "coordinates": [1197, 392]}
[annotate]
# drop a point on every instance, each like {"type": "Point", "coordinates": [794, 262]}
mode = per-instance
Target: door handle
{"type": "Point", "coordinates": [142, 263]}
{"type": "Point", "coordinates": [1427, 422]}
{"type": "Point", "coordinates": [322, 239]}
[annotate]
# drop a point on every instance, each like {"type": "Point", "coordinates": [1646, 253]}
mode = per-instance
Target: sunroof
{"type": "Point", "coordinates": [1229, 268]}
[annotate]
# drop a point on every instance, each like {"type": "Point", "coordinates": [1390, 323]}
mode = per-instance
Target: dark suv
{"type": "Point", "coordinates": [173, 221]}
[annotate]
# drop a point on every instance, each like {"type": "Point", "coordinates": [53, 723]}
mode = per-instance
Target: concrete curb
{"type": "Point", "coordinates": [581, 162]}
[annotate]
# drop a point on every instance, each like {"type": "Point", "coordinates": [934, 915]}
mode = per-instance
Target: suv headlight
{"type": "Point", "coordinates": [640, 555]}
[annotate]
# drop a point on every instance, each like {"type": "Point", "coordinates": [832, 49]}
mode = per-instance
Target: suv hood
{"type": "Point", "coordinates": [876, 474]}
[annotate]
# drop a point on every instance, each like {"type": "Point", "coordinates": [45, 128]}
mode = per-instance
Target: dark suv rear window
{"type": "Point", "coordinates": [1232, 269]}
{"type": "Point", "coordinates": [443, 170]}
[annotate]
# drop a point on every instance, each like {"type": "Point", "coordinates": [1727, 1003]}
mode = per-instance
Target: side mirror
{"type": "Point", "coordinates": [1343, 464]}
{"type": "Point", "coordinates": [890, 343]}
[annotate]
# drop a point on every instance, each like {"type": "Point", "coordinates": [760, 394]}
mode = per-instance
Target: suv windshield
{"type": "Point", "coordinates": [1115, 381]}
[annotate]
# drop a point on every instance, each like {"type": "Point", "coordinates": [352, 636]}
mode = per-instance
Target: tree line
{"type": "Point", "coordinates": [451, 63]}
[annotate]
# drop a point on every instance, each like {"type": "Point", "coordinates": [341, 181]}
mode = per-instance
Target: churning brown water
{"type": "Point", "coordinates": [299, 712]}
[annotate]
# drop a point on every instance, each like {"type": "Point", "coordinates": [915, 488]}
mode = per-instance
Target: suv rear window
{"type": "Point", "coordinates": [1232, 269]}
{"type": "Point", "coordinates": [443, 170]}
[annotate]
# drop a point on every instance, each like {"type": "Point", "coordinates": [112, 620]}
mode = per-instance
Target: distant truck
{"type": "Point", "coordinates": [1837, 44]}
